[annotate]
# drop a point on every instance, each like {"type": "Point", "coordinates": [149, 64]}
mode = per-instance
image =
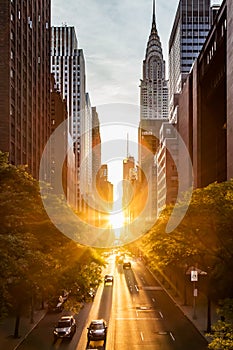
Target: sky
{"type": "Point", "coordinates": [113, 35]}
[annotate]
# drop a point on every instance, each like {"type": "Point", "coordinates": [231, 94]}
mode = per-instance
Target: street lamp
{"type": "Point", "coordinates": [194, 279]}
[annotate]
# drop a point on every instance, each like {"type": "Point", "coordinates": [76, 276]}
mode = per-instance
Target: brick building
{"type": "Point", "coordinates": [25, 80]}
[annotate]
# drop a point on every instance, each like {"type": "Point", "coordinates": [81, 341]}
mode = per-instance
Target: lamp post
{"type": "Point", "coordinates": [194, 279]}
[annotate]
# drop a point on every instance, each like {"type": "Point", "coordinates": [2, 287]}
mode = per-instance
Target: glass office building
{"type": "Point", "coordinates": [190, 29]}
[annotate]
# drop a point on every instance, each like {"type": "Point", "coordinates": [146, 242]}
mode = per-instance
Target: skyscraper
{"type": "Point", "coordinates": [153, 93]}
{"type": "Point", "coordinates": [69, 174]}
{"type": "Point", "coordinates": [25, 80]}
{"type": "Point", "coordinates": [190, 29]}
{"type": "Point", "coordinates": [68, 66]}
{"type": "Point", "coordinates": [154, 87]}
{"type": "Point", "coordinates": [96, 146]}
{"type": "Point", "coordinates": [86, 151]}
{"type": "Point", "coordinates": [153, 111]}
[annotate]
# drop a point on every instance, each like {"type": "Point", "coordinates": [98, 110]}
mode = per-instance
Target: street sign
{"type": "Point", "coordinates": [194, 276]}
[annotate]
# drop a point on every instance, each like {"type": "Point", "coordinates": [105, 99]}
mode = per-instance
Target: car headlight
{"type": "Point", "coordinates": [55, 332]}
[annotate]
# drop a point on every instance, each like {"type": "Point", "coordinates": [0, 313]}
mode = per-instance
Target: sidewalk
{"type": "Point", "coordinates": [197, 316]}
{"type": "Point", "coordinates": [7, 341]}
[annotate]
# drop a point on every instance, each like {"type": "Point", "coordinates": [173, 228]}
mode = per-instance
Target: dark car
{"type": "Point", "coordinates": [97, 330]}
{"type": "Point", "coordinates": [127, 265]}
{"type": "Point", "coordinates": [108, 279]}
{"type": "Point", "coordinates": [65, 328]}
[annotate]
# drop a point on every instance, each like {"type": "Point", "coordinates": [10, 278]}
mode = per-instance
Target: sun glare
{"type": "Point", "coordinates": [117, 220]}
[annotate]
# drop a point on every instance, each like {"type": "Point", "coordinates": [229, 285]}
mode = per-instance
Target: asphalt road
{"type": "Point", "coordinates": [139, 314]}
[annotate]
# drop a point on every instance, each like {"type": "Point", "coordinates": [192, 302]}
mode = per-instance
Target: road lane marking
{"type": "Point", "coordinates": [143, 308]}
{"type": "Point", "coordinates": [137, 318]}
{"type": "Point", "coordinates": [153, 299]}
{"type": "Point", "coordinates": [172, 336]}
{"type": "Point", "coordinates": [58, 343]}
{"type": "Point", "coordinates": [157, 288]}
{"type": "Point", "coordinates": [161, 315]}
{"type": "Point", "coordinates": [142, 336]}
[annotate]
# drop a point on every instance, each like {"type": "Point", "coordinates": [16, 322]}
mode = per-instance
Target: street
{"type": "Point", "coordinates": [139, 314]}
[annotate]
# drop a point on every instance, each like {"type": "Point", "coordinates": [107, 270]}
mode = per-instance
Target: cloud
{"type": "Point", "coordinates": [113, 35]}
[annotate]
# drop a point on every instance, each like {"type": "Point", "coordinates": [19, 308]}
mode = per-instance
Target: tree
{"type": "Point", "coordinates": [222, 331]}
{"type": "Point", "coordinates": [36, 259]}
{"type": "Point", "coordinates": [203, 238]}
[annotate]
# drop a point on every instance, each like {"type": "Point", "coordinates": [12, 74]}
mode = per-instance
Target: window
{"type": "Point", "coordinates": [12, 73]}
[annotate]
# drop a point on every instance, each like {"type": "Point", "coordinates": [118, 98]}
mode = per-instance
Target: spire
{"type": "Point", "coordinates": [153, 18]}
{"type": "Point", "coordinates": [154, 40]}
{"type": "Point", "coordinates": [153, 28]}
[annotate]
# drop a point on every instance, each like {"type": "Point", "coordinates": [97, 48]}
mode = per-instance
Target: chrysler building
{"type": "Point", "coordinates": [154, 87]}
{"type": "Point", "coordinates": [153, 113]}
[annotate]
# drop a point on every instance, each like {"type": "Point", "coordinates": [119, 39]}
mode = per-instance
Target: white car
{"type": "Point", "coordinates": [65, 328]}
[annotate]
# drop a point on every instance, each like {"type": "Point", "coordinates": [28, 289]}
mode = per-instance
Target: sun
{"type": "Point", "coordinates": [116, 220]}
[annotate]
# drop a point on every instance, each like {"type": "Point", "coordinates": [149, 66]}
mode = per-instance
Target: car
{"type": "Point", "coordinates": [97, 330]}
{"type": "Point", "coordinates": [56, 304]}
{"type": "Point", "coordinates": [90, 295]}
{"type": "Point", "coordinates": [127, 265]}
{"type": "Point", "coordinates": [108, 279]}
{"type": "Point", "coordinates": [65, 328]}
{"type": "Point", "coordinates": [119, 259]}
{"type": "Point", "coordinates": [65, 294]}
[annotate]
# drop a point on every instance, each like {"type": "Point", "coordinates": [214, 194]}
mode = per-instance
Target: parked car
{"type": "Point", "coordinates": [56, 304]}
{"type": "Point", "coordinates": [65, 328]}
{"type": "Point", "coordinates": [90, 294]}
{"type": "Point", "coordinates": [127, 265]}
{"type": "Point", "coordinates": [65, 294]}
{"type": "Point", "coordinates": [97, 330]}
{"type": "Point", "coordinates": [108, 279]}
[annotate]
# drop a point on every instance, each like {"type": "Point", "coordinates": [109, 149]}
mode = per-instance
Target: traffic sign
{"type": "Point", "coordinates": [194, 276]}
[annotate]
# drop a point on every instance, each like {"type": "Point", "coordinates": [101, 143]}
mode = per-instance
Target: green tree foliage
{"type": "Point", "coordinates": [37, 261]}
{"type": "Point", "coordinates": [203, 238]}
{"type": "Point", "coordinates": [222, 331]}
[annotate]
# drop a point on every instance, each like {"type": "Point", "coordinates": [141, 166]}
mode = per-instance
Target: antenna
{"type": "Point", "coordinates": [153, 10]}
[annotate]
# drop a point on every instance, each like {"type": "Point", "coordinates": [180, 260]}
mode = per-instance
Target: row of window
{"type": "Point", "coordinates": [197, 26]}
{"type": "Point", "coordinates": [195, 19]}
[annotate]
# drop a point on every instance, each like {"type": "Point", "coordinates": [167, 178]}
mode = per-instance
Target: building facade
{"type": "Point", "coordinates": [25, 81]}
{"type": "Point", "coordinates": [86, 153]}
{"type": "Point", "coordinates": [153, 112]}
{"type": "Point", "coordinates": [105, 190]}
{"type": "Point", "coordinates": [165, 162]}
{"type": "Point", "coordinates": [96, 147]}
{"type": "Point", "coordinates": [68, 67]}
{"type": "Point", "coordinates": [69, 173]}
{"type": "Point", "coordinates": [205, 105]}
{"type": "Point", "coordinates": [130, 188]}
{"type": "Point", "coordinates": [190, 29]}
